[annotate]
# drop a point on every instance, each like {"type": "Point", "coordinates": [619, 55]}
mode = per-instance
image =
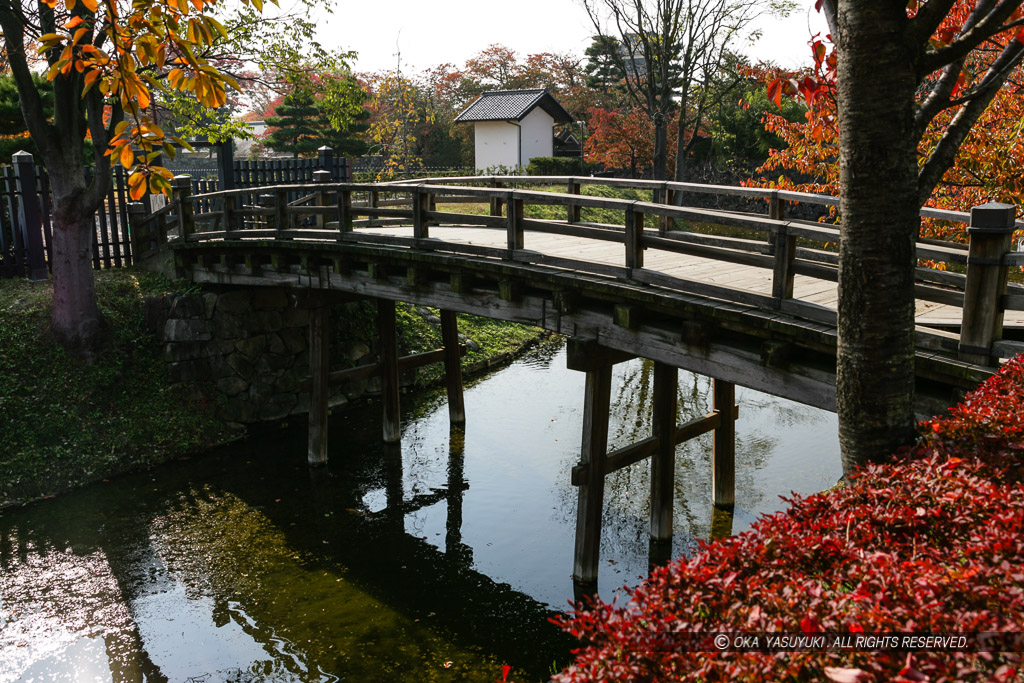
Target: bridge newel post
{"type": "Point", "coordinates": [666, 380]}
{"type": "Point", "coordinates": [991, 233]}
{"type": "Point", "coordinates": [230, 217]}
{"type": "Point", "coordinates": [266, 204]}
{"type": "Point", "coordinates": [515, 224]}
{"type": "Point", "coordinates": [281, 212]}
{"type": "Point", "coordinates": [784, 252]}
{"type": "Point", "coordinates": [373, 201]}
{"type": "Point", "coordinates": [181, 192]}
{"type": "Point", "coordinates": [453, 366]}
{"type": "Point", "coordinates": [723, 457]}
{"type": "Point", "coordinates": [634, 237]}
{"type": "Point", "coordinates": [319, 368]}
{"type": "Point", "coordinates": [387, 337]}
{"type": "Point", "coordinates": [574, 209]}
{"type": "Point", "coordinates": [322, 177]}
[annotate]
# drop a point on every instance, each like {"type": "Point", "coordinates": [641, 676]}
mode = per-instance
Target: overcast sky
{"type": "Point", "coordinates": [430, 33]}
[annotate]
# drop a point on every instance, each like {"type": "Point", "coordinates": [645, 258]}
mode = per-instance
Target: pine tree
{"type": "Point", "coordinates": [300, 127]}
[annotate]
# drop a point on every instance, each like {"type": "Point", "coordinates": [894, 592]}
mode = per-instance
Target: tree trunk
{"type": "Point", "coordinates": [75, 319]}
{"type": "Point", "coordinates": [660, 146]}
{"type": "Point", "coordinates": [879, 211]}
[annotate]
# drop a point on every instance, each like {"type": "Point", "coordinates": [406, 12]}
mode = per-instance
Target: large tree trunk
{"type": "Point", "coordinates": [660, 146]}
{"type": "Point", "coordinates": [879, 212]}
{"type": "Point", "coordinates": [75, 319]}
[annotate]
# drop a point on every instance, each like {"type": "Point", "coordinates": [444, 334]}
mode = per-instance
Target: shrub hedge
{"type": "Point", "coordinates": [930, 542]}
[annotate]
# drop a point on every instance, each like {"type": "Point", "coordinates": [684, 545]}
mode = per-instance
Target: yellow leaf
{"type": "Point", "coordinates": [258, 4]}
{"type": "Point", "coordinates": [137, 191]}
{"type": "Point", "coordinates": [175, 77]}
{"type": "Point", "coordinates": [91, 4]}
{"type": "Point", "coordinates": [127, 156]}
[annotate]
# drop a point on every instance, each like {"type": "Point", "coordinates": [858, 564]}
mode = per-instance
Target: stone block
{"type": "Point", "coordinates": [228, 326]}
{"type": "Point", "coordinates": [179, 330]}
{"type": "Point", "coordinates": [243, 366]}
{"type": "Point", "coordinates": [269, 321]}
{"type": "Point", "coordinates": [295, 317]}
{"type": "Point", "coordinates": [175, 352]}
{"type": "Point", "coordinates": [188, 306]}
{"type": "Point", "coordinates": [209, 304]}
{"type": "Point", "coordinates": [190, 371]}
{"type": "Point", "coordinates": [237, 301]}
{"type": "Point", "coordinates": [268, 299]}
{"type": "Point", "coordinates": [294, 340]}
{"type": "Point", "coordinates": [232, 386]}
{"type": "Point", "coordinates": [279, 406]}
{"type": "Point", "coordinates": [275, 344]}
{"type": "Point", "coordinates": [252, 347]}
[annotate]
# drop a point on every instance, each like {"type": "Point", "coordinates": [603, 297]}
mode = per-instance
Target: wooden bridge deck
{"type": "Point", "coordinates": [685, 266]}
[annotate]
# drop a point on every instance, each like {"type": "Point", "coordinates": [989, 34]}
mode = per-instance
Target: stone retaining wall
{"type": "Point", "coordinates": [250, 346]}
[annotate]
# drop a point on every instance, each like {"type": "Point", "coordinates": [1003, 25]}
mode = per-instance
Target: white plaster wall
{"type": "Point", "coordinates": [496, 144]}
{"type": "Point", "coordinates": [538, 135]}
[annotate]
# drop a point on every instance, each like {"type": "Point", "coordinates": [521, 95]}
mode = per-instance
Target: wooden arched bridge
{"type": "Point", "coordinates": [745, 297]}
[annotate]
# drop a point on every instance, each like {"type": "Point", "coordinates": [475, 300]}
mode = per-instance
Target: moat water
{"type": "Point", "coordinates": [441, 559]}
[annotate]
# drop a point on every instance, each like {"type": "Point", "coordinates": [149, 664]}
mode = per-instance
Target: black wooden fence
{"type": "Point", "coordinates": [26, 216]}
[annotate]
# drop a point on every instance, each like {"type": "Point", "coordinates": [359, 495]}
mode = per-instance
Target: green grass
{"type": "Point", "coordinates": [66, 422]}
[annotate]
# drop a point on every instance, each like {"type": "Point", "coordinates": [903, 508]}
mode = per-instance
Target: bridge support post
{"type": "Point", "coordinates": [666, 380]}
{"type": "Point", "coordinates": [596, 406]}
{"type": "Point", "coordinates": [452, 367]}
{"type": "Point", "coordinates": [387, 338]}
{"type": "Point", "coordinates": [723, 474]}
{"type": "Point", "coordinates": [319, 367]}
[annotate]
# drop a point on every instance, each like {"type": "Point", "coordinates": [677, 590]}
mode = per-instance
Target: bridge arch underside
{"type": "Point", "coordinates": [769, 351]}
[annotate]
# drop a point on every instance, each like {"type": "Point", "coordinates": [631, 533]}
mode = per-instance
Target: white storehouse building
{"type": "Point", "coordinates": [513, 126]}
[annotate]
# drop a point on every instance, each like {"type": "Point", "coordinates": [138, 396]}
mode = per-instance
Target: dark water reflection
{"type": "Point", "coordinates": [439, 560]}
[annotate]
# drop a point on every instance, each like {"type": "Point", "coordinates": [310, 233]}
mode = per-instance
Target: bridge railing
{"type": "Point", "coordinates": [783, 248]}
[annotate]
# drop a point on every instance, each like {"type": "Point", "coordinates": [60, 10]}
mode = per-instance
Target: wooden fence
{"type": "Point", "coordinates": [332, 211]}
{"type": "Point", "coordinates": [26, 216]}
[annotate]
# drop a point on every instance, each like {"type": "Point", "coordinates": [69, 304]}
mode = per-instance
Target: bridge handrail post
{"type": "Point", "coordinates": [496, 201]}
{"type": "Point", "coordinates": [634, 237]}
{"type": "Point", "coordinates": [990, 232]}
{"type": "Point", "coordinates": [666, 223]}
{"type": "Point", "coordinates": [420, 207]}
{"type": "Point", "coordinates": [515, 223]}
{"type": "Point", "coordinates": [321, 177]}
{"type": "Point", "coordinates": [280, 212]}
{"type": "Point", "coordinates": [574, 209]}
{"type": "Point", "coordinates": [344, 212]}
{"type": "Point", "coordinates": [181, 193]}
{"type": "Point", "coordinates": [784, 251]}
{"type": "Point", "coordinates": [266, 201]}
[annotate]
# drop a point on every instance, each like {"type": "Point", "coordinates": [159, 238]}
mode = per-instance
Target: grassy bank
{"type": "Point", "coordinates": [66, 423]}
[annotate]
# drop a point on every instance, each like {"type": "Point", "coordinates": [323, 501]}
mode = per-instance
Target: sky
{"type": "Point", "coordinates": [431, 33]}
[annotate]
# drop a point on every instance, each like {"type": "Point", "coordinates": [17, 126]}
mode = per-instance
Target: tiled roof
{"type": "Point", "coordinates": [513, 105]}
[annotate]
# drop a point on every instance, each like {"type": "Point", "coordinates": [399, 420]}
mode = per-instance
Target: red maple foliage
{"type": "Point", "coordinates": [932, 542]}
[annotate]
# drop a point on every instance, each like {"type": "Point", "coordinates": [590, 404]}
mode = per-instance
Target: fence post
{"type": "Point", "coordinates": [181, 192]}
{"type": "Point", "coordinates": [30, 217]}
{"type": "Point", "coordinates": [784, 251]}
{"type": "Point", "coordinates": [139, 237]}
{"type": "Point", "coordinates": [325, 159]}
{"type": "Point", "coordinates": [990, 232]}
{"type": "Point", "coordinates": [321, 177]}
{"type": "Point", "coordinates": [666, 223]}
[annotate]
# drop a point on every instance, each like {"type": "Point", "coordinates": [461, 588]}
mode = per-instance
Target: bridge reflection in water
{"type": "Point", "coordinates": [754, 308]}
{"type": "Point", "coordinates": [452, 547]}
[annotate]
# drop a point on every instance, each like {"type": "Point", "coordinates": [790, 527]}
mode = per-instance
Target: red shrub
{"type": "Point", "coordinates": [932, 543]}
